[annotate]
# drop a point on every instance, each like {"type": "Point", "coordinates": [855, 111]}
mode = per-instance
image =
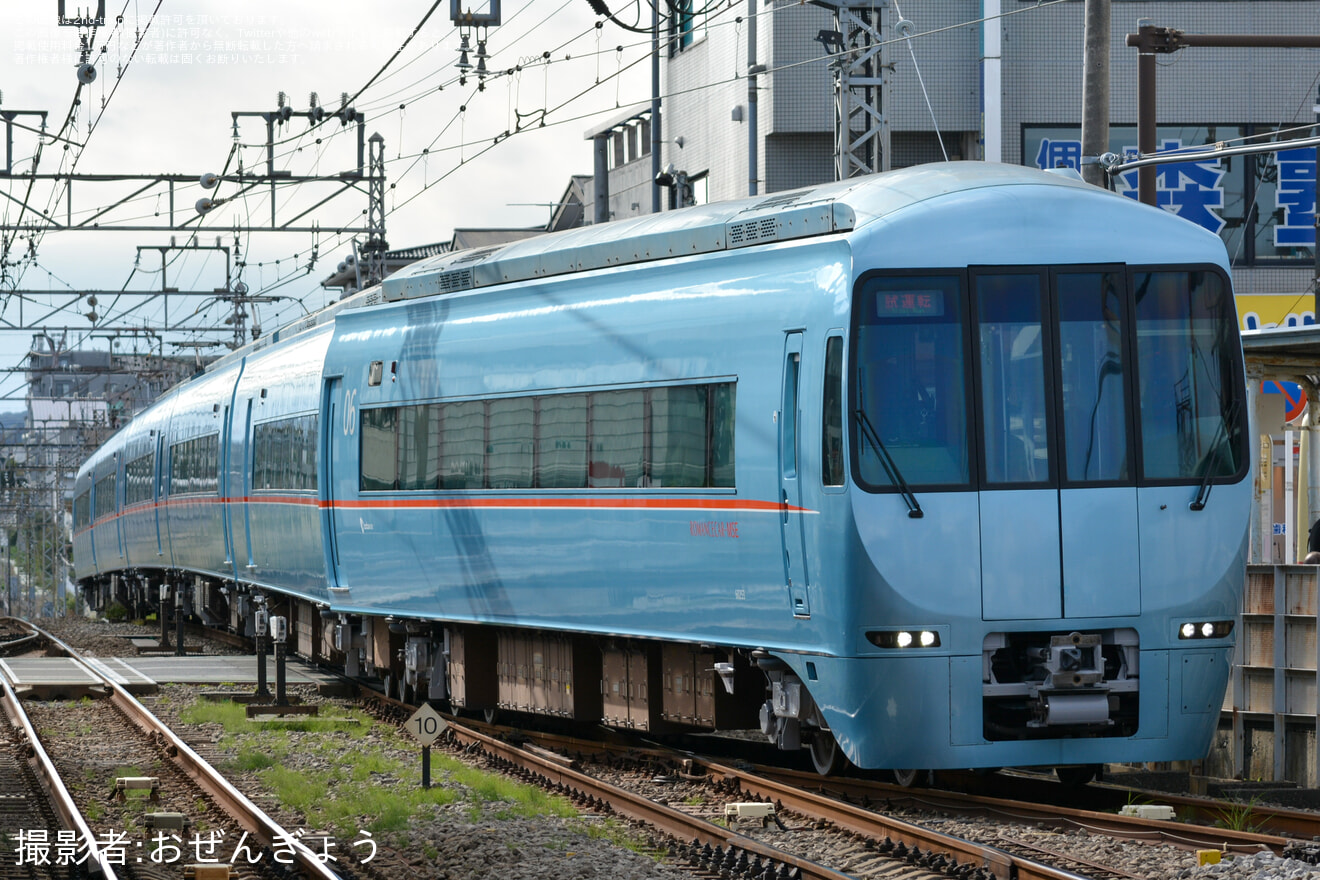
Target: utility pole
{"type": "Point", "coordinates": [752, 70]}
{"type": "Point", "coordinates": [655, 107]}
{"type": "Point", "coordinates": [1095, 91]}
{"type": "Point", "coordinates": [861, 130]}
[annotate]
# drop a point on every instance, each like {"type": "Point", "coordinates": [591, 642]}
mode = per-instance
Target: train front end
{"type": "Point", "coordinates": [1045, 408]}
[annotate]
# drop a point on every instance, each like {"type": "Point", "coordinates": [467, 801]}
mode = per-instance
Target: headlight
{"type": "Point", "coordinates": [903, 638]}
{"type": "Point", "coordinates": [1207, 629]}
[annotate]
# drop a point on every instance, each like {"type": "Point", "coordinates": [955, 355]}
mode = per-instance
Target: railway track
{"type": "Point", "coordinates": [866, 843]}
{"type": "Point", "coordinates": [153, 804]}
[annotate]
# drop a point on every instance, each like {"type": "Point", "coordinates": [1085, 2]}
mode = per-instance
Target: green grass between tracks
{"type": "Point", "coordinates": [363, 777]}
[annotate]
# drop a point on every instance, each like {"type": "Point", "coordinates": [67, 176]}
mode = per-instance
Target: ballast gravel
{"type": "Point", "coordinates": [449, 843]}
{"type": "Point", "coordinates": [445, 844]}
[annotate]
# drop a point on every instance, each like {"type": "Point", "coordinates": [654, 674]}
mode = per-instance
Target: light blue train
{"type": "Point", "coordinates": [945, 467]}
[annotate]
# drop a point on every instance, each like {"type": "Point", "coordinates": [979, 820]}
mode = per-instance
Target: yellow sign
{"type": "Point", "coordinates": [1261, 311]}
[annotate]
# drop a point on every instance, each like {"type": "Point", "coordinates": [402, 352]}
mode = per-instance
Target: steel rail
{"type": "Point", "coordinates": [1178, 834]}
{"type": "Point", "coordinates": [870, 824]}
{"type": "Point", "coordinates": [61, 800]}
{"type": "Point", "coordinates": [231, 799]}
{"type": "Point", "coordinates": [682, 826]}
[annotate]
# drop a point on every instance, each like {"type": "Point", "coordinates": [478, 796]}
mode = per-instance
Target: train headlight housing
{"type": "Point", "coordinates": [1205, 629]}
{"type": "Point", "coordinates": [904, 638]}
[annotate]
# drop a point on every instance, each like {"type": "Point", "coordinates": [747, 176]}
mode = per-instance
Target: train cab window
{"type": "Point", "coordinates": [1092, 310]}
{"type": "Point", "coordinates": [1187, 374]}
{"type": "Point", "coordinates": [1012, 376]}
{"type": "Point", "coordinates": [910, 395]}
{"type": "Point", "coordinates": [831, 441]}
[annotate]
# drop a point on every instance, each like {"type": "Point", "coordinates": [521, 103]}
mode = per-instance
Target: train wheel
{"type": "Point", "coordinates": [906, 778]}
{"type": "Point", "coordinates": [1077, 775]}
{"type": "Point", "coordinates": [826, 756]}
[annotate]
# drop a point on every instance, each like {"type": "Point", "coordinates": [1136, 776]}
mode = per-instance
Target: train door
{"type": "Point", "coordinates": [1021, 574]}
{"type": "Point", "coordinates": [247, 486]}
{"type": "Point", "coordinates": [156, 488]}
{"type": "Point", "coordinates": [791, 526]}
{"type": "Point", "coordinates": [119, 503]}
{"type": "Point", "coordinates": [226, 479]}
{"type": "Point", "coordinates": [338, 413]}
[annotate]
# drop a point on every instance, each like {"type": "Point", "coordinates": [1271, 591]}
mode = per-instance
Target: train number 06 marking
{"type": "Point", "coordinates": [350, 411]}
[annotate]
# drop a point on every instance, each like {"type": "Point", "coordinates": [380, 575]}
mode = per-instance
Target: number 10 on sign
{"type": "Point", "coordinates": [426, 725]}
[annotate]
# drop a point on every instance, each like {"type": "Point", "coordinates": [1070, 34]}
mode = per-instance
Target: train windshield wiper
{"type": "Point", "coordinates": [888, 463]}
{"type": "Point", "coordinates": [1209, 460]}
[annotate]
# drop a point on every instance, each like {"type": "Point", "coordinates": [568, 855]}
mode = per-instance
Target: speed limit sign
{"type": "Point", "coordinates": [426, 725]}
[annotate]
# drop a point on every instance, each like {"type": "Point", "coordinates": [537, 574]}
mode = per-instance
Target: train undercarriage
{"type": "Point", "coordinates": [636, 684]}
{"type": "Point", "coordinates": [632, 684]}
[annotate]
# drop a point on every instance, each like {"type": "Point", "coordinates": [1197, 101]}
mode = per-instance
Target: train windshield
{"type": "Point", "coordinates": [910, 382]}
{"type": "Point", "coordinates": [1187, 367]}
{"type": "Point", "coordinates": [1071, 376]}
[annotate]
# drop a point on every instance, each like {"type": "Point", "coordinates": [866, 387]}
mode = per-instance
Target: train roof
{"type": "Point", "coordinates": [823, 209]}
{"type": "Point", "coordinates": [817, 210]}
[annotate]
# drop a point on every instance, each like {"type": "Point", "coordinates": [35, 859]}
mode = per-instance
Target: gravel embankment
{"type": "Point", "coordinates": [464, 830]}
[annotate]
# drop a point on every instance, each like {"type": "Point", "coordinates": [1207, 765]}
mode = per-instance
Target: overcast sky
{"type": "Point", "coordinates": [171, 73]}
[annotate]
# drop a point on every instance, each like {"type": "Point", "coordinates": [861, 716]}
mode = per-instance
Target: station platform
{"type": "Point", "coordinates": [65, 678]}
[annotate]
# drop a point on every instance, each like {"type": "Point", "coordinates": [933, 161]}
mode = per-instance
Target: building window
{"type": "Point", "coordinates": [687, 24]}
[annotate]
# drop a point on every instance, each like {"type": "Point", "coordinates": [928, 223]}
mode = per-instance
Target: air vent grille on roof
{"type": "Point", "coordinates": [752, 231]}
{"type": "Point", "coordinates": [458, 279]}
{"type": "Point", "coordinates": [476, 256]}
{"type": "Point", "coordinates": [782, 201]}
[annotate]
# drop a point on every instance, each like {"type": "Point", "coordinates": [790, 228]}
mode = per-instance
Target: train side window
{"type": "Point", "coordinates": [463, 445]}
{"type": "Point", "coordinates": [195, 465]}
{"type": "Point", "coordinates": [678, 436]}
{"type": "Point", "coordinates": [509, 456]}
{"type": "Point", "coordinates": [379, 449]}
{"type": "Point", "coordinates": [104, 493]}
{"type": "Point", "coordinates": [561, 442]}
{"type": "Point", "coordinates": [284, 454]}
{"type": "Point", "coordinates": [137, 479]}
{"type": "Point", "coordinates": [617, 439]}
{"type": "Point", "coordinates": [419, 447]}
{"type": "Point", "coordinates": [831, 441]}
{"type": "Point", "coordinates": [723, 408]}
{"type": "Point", "coordinates": [1187, 376]}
